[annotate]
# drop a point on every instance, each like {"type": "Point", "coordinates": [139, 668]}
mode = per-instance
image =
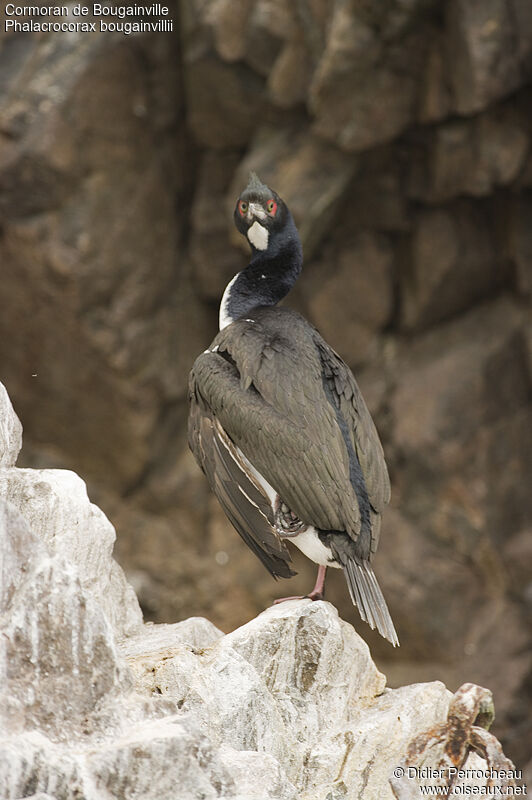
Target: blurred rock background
{"type": "Point", "coordinates": [399, 134]}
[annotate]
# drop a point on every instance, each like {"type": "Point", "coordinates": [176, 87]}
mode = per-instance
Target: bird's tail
{"type": "Point", "coordinates": [368, 598]}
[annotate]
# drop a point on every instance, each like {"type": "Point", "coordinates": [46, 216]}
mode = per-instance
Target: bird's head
{"type": "Point", "coordinates": [260, 214]}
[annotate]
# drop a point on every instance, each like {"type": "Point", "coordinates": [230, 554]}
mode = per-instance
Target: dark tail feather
{"type": "Point", "coordinates": [367, 596]}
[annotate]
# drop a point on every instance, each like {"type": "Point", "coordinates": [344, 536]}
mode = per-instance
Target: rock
{"type": "Point", "coordinates": [484, 62]}
{"type": "Point", "coordinates": [458, 426]}
{"type": "Point", "coordinates": [365, 87]}
{"type": "Point", "coordinates": [90, 178]}
{"type": "Point", "coordinates": [148, 762]}
{"type": "Point", "coordinates": [252, 32]}
{"type": "Point", "coordinates": [223, 102]}
{"type": "Point", "coordinates": [443, 643]}
{"type": "Point", "coordinates": [462, 738]}
{"type": "Point", "coordinates": [312, 639]}
{"type": "Point", "coordinates": [166, 586]}
{"type": "Point", "coordinates": [231, 716]}
{"type": "Point", "coordinates": [520, 243]}
{"type": "Point", "coordinates": [196, 633]}
{"type": "Point", "coordinates": [503, 143]}
{"type": "Point", "coordinates": [230, 22]}
{"type": "Point", "coordinates": [472, 157]}
{"type": "Point", "coordinates": [291, 648]}
{"type": "Point", "coordinates": [55, 503]}
{"type": "Point", "coordinates": [41, 796]}
{"type": "Point", "coordinates": [435, 100]}
{"type": "Point", "coordinates": [30, 761]}
{"type": "Point", "coordinates": [450, 263]}
{"type": "Point", "coordinates": [258, 776]}
{"type": "Point", "coordinates": [518, 561]}
{"type": "Point", "coordinates": [289, 79]}
{"type": "Point", "coordinates": [67, 643]}
{"type": "Point", "coordinates": [450, 391]}
{"type": "Point", "coordinates": [433, 636]}
{"type": "Point", "coordinates": [352, 303]}
{"type": "Point", "coordinates": [10, 431]}
{"type": "Point", "coordinates": [278, 41]}
{"type": "Point", "coordinates": [528, 348]}
{"type": "Point", "coordinates": [214, 261]}
{"type": "Point", "coordinates": [18, 544]}
{"type": "Point", "coordinates": [155, 758]}
{"type": "Point", "coordinates": [57, 651]}
{"type": "Point", "coordinates": [273, 674]}
{"type": "Point", "coordinates": [376, 199]}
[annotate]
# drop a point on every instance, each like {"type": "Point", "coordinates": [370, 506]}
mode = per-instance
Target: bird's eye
{"type": "Point", "coordinates": [271, 207]}
{"type": "Point", "coordinates": [242, 207]}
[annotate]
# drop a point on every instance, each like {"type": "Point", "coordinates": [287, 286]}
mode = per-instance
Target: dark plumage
{"type": "Point", "coordinates": [279, 426]}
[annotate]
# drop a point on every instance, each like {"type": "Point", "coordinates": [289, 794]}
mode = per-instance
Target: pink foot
{"type": "Point", "coordinates": [311, 596]}
{"type": "Point", "coordinates": [283, 599]}
{"type": "Point", "coordinates": [315, 594]}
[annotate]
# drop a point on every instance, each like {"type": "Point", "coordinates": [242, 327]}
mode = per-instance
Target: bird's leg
{"type": "Point", "coordinates": [319, 587]}
{"type": "Point", "coordinates": [316, 594]}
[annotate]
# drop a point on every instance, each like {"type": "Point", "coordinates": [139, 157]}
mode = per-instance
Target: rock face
{"type": "Point", "coordinates": [56, 502]}
{"type": "Point", "coordinates": [77, 170]}
{"type": "Point", "coordinates": [10, 431]}
{"type": "Point", "coordinates": [399, 133]}
{"type": "Point", "coordinates": [93, 703]}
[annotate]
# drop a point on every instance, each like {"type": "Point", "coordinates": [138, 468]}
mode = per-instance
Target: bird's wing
{"type": "Point", "coordinates": [238, 491]}
{"type": "Point", "coordinates": [343, 388]}
{"type": "Point", "coordinates": [267, 386]}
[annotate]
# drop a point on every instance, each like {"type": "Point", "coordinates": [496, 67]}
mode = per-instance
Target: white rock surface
{"type": "Point", "coordinates": [54, 503]}
{"type": "Point", "coordinates": [10, 431]}
{"type": "Point", "coordinates": [94, 704]}
{"type": "Point", "coordinates": [195, 632]}
{"type": "Point", "coordinates": [298, 684]}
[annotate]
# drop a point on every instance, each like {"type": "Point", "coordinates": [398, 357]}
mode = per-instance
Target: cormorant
{"type": "Point", "coordinates": [278, 424]}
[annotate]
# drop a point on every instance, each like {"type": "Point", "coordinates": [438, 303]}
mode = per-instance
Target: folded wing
{"type": "Point", "coordinates": [293, 408]}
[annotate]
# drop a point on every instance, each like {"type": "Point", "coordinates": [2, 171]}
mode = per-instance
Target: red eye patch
{"type": "Point", "coordinates": [242, 207]}
{"type": "Point", "coordinates": [271, 207]}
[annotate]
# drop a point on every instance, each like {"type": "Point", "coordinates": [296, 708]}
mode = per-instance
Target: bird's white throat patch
{"type": "Point", "coordinates": [258, 236]}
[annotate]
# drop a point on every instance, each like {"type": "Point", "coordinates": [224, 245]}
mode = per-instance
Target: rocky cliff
{"type": "Point", "coordinates": [399, 133]}
{"type": "Point", "coordinates": [94, 703]}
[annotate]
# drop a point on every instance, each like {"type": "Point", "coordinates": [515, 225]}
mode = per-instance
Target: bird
{"type": "Point", "coordinates": [278, 424]}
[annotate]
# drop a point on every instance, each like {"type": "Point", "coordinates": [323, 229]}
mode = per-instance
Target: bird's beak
{"type": "Point", "coordinates": [255, 211]}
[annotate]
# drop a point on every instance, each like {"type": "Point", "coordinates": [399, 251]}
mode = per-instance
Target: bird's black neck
{"type": "Point", "coordinates": [269, 276]}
